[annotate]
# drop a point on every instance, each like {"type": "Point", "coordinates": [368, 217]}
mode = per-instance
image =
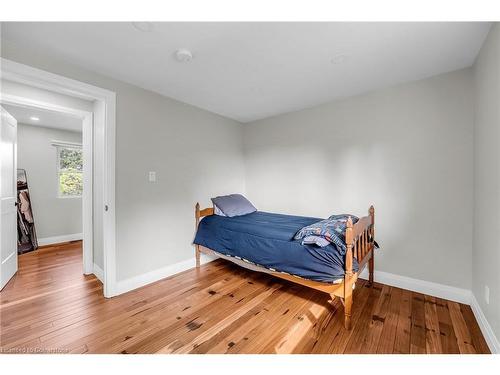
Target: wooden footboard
{"type": "Point", "coordinates": [360, 238]}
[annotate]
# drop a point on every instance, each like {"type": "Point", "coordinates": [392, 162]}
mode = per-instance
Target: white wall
{"type": "Point", "coordinates": [486, 249]}
{"type": "Point", "coordinates": [54, 216]}
{"type": "Point", "coordinates": [195, 153]}
{"type": "Point", "coordinates": [406, 149]}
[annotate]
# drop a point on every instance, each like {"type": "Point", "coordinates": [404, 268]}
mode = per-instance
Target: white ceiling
{"type": "Point", "coordinates": [48, 119]}
{"type": "Point", "coordinates": [249, 71]}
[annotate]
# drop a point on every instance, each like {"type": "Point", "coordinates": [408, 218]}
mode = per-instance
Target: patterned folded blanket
{"type": "Point", "coordinates": [331, 229]}
{"type": "Point", "coordinates": [315, 240]}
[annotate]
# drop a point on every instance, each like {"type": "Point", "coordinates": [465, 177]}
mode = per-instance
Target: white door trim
{"type": "Point", "coordinates": [88, 194]}
{"type": "Point", "coordinates": [104, 120]}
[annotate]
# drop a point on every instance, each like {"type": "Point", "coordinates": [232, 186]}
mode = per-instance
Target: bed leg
{"type": "Point", "coordinates": [371, 267]}
{"type": "Point", "coordinates": [371, 262]}
{"type": "Point", "coordinates": [347, 311]}
{"type": "Point", "coordinates": [197, 256]}
{"type": "Point", "coordinates": [332, 301]}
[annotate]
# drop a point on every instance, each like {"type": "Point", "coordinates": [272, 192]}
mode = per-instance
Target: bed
{"type": "Point", "coordinates": [263, 242]}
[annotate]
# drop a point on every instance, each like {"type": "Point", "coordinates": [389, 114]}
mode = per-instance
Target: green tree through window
{"type": "Point", "coordinates": [70, 171]}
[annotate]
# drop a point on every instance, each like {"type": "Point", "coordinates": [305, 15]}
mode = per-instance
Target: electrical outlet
{"type": "Point", "coordinates": [152, 176]}
{"type": "Point", "coordinates": [487, 294]}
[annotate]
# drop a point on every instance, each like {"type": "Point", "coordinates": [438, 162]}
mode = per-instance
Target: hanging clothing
{"type": "Point", "coordinates": [26, 234]}
{"type": "Point", "coordinates": [25, 206]}
{"type": "Point", "coordinates": [20, 222]}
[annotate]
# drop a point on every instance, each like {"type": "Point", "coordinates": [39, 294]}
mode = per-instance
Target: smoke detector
{"type": "Point", "coordinates": [183, 55]}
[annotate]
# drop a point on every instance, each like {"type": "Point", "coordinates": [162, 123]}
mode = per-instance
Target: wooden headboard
{"type": "Point", "coordinates": [202, 213]}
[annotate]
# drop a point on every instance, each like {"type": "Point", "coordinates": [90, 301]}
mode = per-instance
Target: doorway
{"type": "Point", "coordinates": [98, 124]}
{"type": "Point", "coordinates": [50, 184]}
{"type": "Point", "coordinates": [52, 168]}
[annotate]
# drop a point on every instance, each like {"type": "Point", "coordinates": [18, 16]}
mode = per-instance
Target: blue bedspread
{"type": "Point", "coordinates": [266, 239]}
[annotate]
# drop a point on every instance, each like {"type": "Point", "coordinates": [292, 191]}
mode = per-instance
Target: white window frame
{"type": "Point", "coordinates": [60, 145]}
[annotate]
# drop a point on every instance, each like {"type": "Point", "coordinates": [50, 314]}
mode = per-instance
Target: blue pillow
{"type": "Point", "coordinates": [233, 205]}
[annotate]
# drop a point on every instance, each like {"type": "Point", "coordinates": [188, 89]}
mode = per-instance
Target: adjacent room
{"type": "Point", "coordinates": [250, 187]}
{"type": "Point", "coordinates": [49, 196]}
{"type": "Point", "coordinates": [49, 155]}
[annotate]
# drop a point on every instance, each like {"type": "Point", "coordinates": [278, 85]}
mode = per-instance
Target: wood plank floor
{"type": "Point", "coordinates": [49, 306]}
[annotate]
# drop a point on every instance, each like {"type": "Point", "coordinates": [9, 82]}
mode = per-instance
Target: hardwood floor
{"type": "Point", "coordinates": [49, 306]}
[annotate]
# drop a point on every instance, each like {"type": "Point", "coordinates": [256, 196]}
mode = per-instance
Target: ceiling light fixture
{"type": "Point", "coordinates": [34, 118]}
{"type": "Point", "coordinates": [339, 58]}
{"type": "Point", "coordinates": [183, 55]}
{"type": "Point", "coordinates": [145, 27]}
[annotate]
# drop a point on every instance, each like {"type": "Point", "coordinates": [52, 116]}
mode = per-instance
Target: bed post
{"type": "Point", "coordinates": [197, 247]}
{"type": "Point", "coordinates": [371, 262]}
{"type": "Point", "coordinates": [348, 274]}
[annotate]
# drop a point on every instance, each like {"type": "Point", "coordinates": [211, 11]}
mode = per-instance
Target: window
{"type": "Point", "coordinates": [70, 170]}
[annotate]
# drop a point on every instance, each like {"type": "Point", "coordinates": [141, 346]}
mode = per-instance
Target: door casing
{"type": "Point", "coordinates": [100, 126]}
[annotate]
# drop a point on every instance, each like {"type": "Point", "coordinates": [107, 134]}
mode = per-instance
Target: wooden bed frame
{"type": "Point", "coordinates": [360, 245]}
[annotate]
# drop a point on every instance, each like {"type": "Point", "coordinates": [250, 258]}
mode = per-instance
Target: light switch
{"type": "Point", "coordinates": [152, 176]}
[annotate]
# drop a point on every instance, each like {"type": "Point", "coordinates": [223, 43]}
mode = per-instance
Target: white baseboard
{"type": "Point", "coordinates": [486, 329]}
{"type": "Point", "coordinates": [426, 287]}
{"type": "Point", "coordinates": [135, 282]}
{"type": "Point", "coordinates": [60, 239]}
{"type": "Point", "coordinates": [98, 272]}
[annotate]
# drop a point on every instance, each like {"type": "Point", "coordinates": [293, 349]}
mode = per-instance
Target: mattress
{"type": "Point", "coordinates": [266, 239]}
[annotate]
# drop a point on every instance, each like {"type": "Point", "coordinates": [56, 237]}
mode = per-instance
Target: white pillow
{"type": "Point", "coordinates": [217, 211]}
